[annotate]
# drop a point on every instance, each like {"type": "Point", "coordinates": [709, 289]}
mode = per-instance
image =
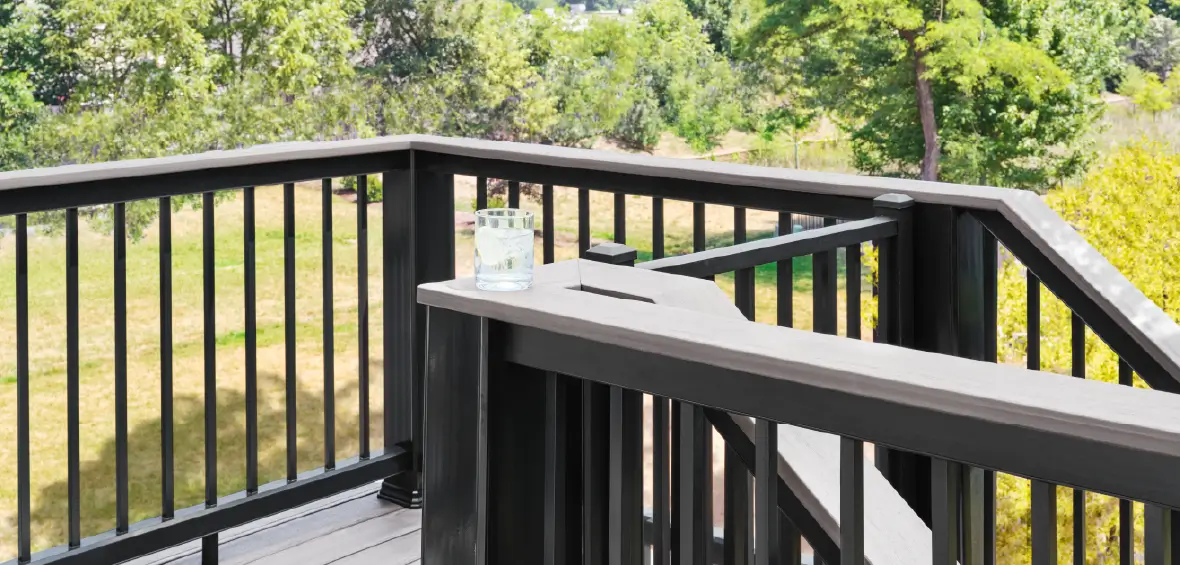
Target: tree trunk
{"type": "Point", "coordinates": [925, 98]}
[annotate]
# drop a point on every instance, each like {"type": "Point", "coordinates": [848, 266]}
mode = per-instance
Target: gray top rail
{"type": "Point", "coordinates": [1020, 219]}
{"type": "Point", "coordinates": [1097, 436]}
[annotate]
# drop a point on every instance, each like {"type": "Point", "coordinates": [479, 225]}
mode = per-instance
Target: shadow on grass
{"type": "Point", "coordinates": [49, 519]}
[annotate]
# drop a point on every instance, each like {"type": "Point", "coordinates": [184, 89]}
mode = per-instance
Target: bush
{"type": "Point", "coordinates": [373, 184]}
{"type": "Point", "coordinates": [641, 126]}
{"type": "Point", "coordinates": [1128, 208]}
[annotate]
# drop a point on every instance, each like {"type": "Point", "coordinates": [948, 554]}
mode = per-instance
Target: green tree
{"type": "Point", "coordinates": [1128, 208]}
{"type": "Point", "coordinates": [298, 44]}
{"type": "Point", "coordinates": [958, 90]}
{"type": "Point", "coordinates": [31, 43]}
{"type": "Point", "coordinates": [19, 111]}
{"type": "Point", "coordinates": [1146, 91]}
{"type": "Point", "coordinates": [1157, 48]}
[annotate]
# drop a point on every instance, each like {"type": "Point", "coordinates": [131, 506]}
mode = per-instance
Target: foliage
{"type": "Point", "coordinates": [1157, 48]}
{"type": "Point", "coordinates": [1146, 91]}
{"type": "Point", "coordinates": [1128, 208]}
{"type": "Point", "coordinates": [641, 126]}
{"type": "Point", "coordinates": [373, 187]}
{"type": "Point", "coordinates": [300, 43]}
{"type": "Point", "coordinates": [19, 111]}
{"type": "Point", "coordinates": [1010, 92]}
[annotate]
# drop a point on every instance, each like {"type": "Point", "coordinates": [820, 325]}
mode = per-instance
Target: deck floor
{"type": "Point", "coordinates": [351, 528]}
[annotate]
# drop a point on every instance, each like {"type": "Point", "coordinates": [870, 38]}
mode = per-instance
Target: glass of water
{"type": "Point", "coordinates": [503, 249]}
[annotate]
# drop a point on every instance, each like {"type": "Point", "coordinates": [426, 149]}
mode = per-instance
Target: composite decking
{"type": "Point", "coordinates": [351, 528]}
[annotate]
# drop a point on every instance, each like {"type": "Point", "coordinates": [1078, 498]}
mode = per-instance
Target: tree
{"type": "Point", "coordinates": [298, 44]}
{"type": "Point", "coordinates": [1128, 208]}
{"type": "Point", "coordinates": [958, 90]}
{"type": "Point", "coordinates": [1157, 48]}
{"type": "Point", "coordinates": [1146, 91]}
{"type": "Point", "coordinates": [19, 111]}
{"type": "Point", "coordinates": [31, 43]}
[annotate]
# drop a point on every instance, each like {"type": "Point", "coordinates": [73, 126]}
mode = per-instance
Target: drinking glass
{"type": "Point", "coordinates": [503, 249]}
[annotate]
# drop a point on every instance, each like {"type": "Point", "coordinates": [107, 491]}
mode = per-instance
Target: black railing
{"type": "Point", "coordinates": [941, 297]}
{"type": "Point", "coordinates": [502, 370]}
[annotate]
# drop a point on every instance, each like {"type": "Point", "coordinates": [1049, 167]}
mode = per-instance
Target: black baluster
{"type": "Point", "coordinates": [583, 222]}
{"type": "Point", "coordinates": [72, 382]}
{"type": "Point", "coordinates": [251, 343]}
{"type": "Point", "coordinates": [743, 281]}
{"type": "Point", "coordinates": [122, 519]}
{"type": "Point", "coordinates": [824, 291]}
{"type": "Point", "coordinates": [481, 193]}
{"type": "Point", "coordinates": [852, 291]}
{"type": "Point", "coordinates": [547, 224]}
{"type": "Point", "coordinates": [23, 505]}
{"type": "Point", "coordinates": [362, 312]}
{"type": "Point", "coordinates": [167, 465]}
{"type": "Point", "coordinates": [657, 228]}
{"type": "Point", "coordinates": [513, 194]}
{"type": "Point", "coordinates": [785, 279]}
{"type": "Point", "coordinates": [289, 327]}
{"type": "Point", "coordinates": [209, 305]}
{"type": "Point", "coordinates": [329, 331]}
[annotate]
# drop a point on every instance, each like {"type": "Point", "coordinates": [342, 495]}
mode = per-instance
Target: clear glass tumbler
{"type": "Point", "coordinates": [503, 249]}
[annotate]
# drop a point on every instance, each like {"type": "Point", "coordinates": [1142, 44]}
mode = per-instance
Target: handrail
{"type": "Point", "coordinates": [1086, 434]}
{"type": "Point", "coordinates": [1117, 310]}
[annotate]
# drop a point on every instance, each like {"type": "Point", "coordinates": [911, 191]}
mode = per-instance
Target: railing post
{"type": "Point", "coordinates": [453, 525]}
{"type": "Point", "coordinates": [418, 233]}
{"type": "Point", "coordinates": [907, 472]}
{"type": "Point", "coordinates": [612, 253]}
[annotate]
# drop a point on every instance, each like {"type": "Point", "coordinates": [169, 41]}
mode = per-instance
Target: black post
{"type": "Point", "coordinates": [419, 246]}
{"type": "Point", "coordinates": [453, 525]}
{"type": "Point", "coordinates": [907, 472]}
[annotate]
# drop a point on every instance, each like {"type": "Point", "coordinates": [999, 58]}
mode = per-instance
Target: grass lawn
{"type": "Point", "coordinates": [48, 347]}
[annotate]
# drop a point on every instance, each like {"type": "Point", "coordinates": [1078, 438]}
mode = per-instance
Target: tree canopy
{"type": "Point", "coordinates": [961, 90]}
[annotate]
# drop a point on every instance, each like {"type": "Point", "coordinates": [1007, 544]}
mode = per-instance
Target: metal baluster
{"type": "Point", "coordinates": [289, 326]}
{"type": "Point", "coordinates": [547, 224]}
{"type": "Point", "coordinates": [1044, 523]}
{"type": "Point", "coordinates": [329, 331]}
{"type": "Point", "coordinates": [625, 506]}
{"type": "Point", "coordinates": [737, 509]}
{"type": "Point", "coordinates": [583, 222]}
{"type": "Point", "coordinates": [251, 343]}
{"type": "Point", "coordinates": [595, 472]}
{"type": "Point", "coordinates": [1126, 507]}
{"type": "Point", "coordinates": [695, 499]}
{"type": "Point", "coordinates": [661, 511]}
{"type": "Point", "coordinates": [785, 283]}
{"type": "Point", "coordinates": [852, 291]}
{"type": "Point", "coordinates": [481, 192]}
{"type": "Point", "coordinates": [1161, 531]}
{"type": "Point", "coordinates": [122, 519]}
{"type": "Point", "coordinates": [852, 503]}
{"type": "Point", "coordinates": [698, 226]}
{"type": "Point", "coordinates": [72, 381]}
{"type": "Point", "coordinates": [556, 540]}
{"type": "Point", "coordinates": [945, 477]}
{"type": "Point", "coordinates": [513, 194]}
{"type": "Point", "coordinates": [1078, 368]}
{"type": "Point", "coordinates": [620, 218]}
{"type": "Point", "coordinates": [23, 504]}
{"type": "Point", "coordinates": [743, 282]}
{"type": "Point", "coordinates": [990, 310]}
{"type": "Point", "coordinates": [657, 228]}
{"type": "Point", "coordinates": [167, 465]}
{"type": "Point", "coordinates": [362, 312]}
{"type": "Point", "coordinates": [824, 292]}
{"type": "Point", "coordinates": [209, 305]}
{"type": "Point", "coordinates": [766, 518]}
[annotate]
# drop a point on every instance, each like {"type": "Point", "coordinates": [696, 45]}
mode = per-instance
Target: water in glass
{"type": "Point", "coordinates": [503, 249]}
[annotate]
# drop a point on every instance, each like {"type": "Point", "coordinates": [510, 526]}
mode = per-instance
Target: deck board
{"type": "Point", "coordinates": [353, 527]}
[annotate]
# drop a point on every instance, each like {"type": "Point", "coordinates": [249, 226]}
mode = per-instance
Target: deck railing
{"type": "Point", "coordinates": [503, 369]}
{"type": "Point", "coordinates": [944, 287]}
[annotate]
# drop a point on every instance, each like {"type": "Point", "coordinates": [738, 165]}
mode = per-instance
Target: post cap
{"type": "Point", "coordinates": [894, 201]}
{"type": "Point", "coordinates": [612, 253]}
